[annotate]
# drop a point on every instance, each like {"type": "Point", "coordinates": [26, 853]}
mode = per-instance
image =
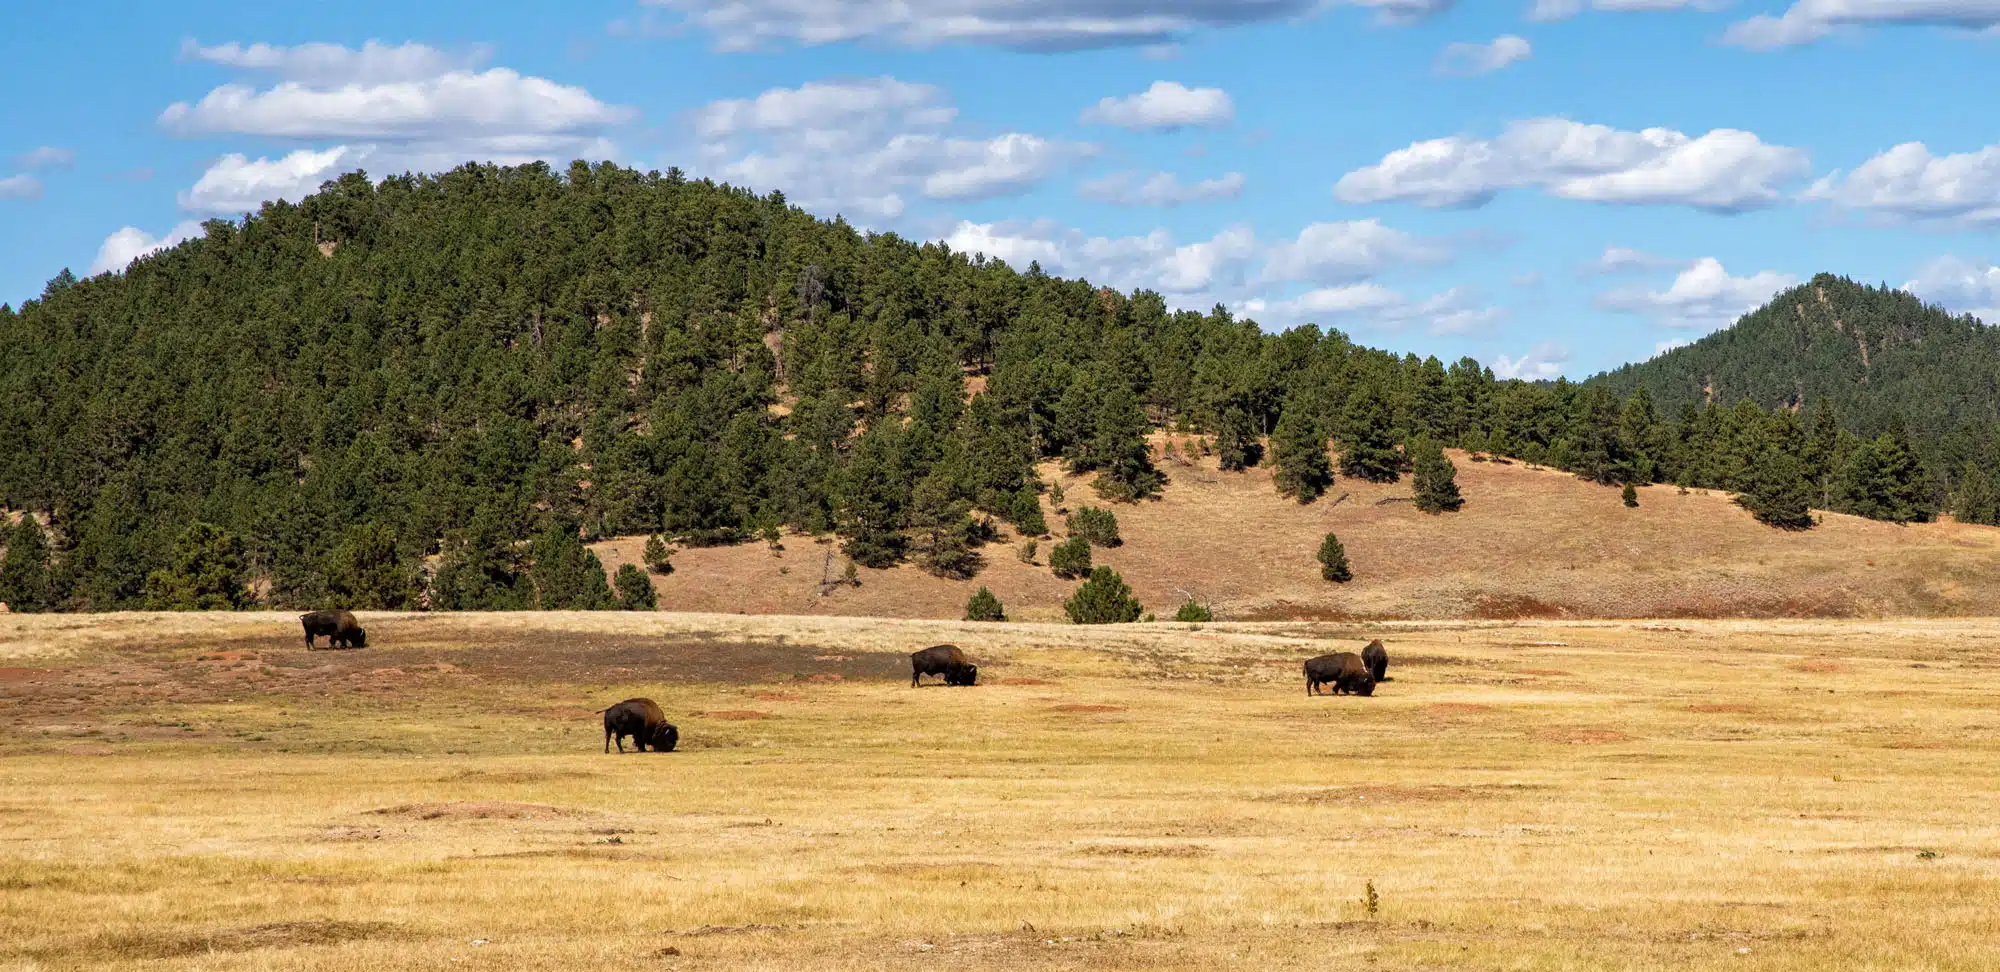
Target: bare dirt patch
{"type": "Point", "coordinates": [1732, 708]}
{"type": "Point", "coordinates": [19, 674]}
{"type": "Point", "coordinates": [1146, 850]}
{"type": "Point", "coordinates": [1455, 708]}
{"type": "Point", "coordinates": [1824, 667]}
{"type": "Point", "coordinates": [1581, 737]}
{"type": "Point", "coordinates": [1397, 793]}
{"type": "Point", "coordinates": [248, 938]}
{"type": "Point", "coordinates": [735, 714]}
{"type": "Point", "coordinates": [780, 697]}
{"type": "Point", "coordinates": [1022, 680]}
{"type": "Point", "coordinates": [1081, 707]}
{"type": "Point", "coordinates": [477, 810]}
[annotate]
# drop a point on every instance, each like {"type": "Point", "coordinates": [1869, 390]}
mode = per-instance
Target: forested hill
{"type": "Point", "coordinates": [1877, 355]}
{"type": "Point", "coordinates": [430, 390]}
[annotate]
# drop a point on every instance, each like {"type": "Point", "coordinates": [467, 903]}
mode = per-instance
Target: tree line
{"type": "Point", "coordinates": [434, 390]}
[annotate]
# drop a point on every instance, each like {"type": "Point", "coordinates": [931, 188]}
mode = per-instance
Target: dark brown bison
{"type": "Point", "coordinates": [339, 627]}
{"type": "Point", "coordinates": [1344, 671]}
{"type": "Point", "coordinates": [1376, 658]}
{"type": "Point", "coordinates": [642, 720]}
{"type": "Point", "coordinates": [945, 660]}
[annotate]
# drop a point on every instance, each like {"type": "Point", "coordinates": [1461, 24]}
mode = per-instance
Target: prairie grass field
{"type": "Point", "coordinates": [199, 792]}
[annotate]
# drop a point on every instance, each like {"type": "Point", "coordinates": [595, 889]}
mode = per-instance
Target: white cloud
{"type": "Point", "coordinates": [1723, 171]}
{"type": "Point", "coordinates": [1703, 296]}
{"type": "Point", "coordinates": [131, 243]}
{"type": "Point", "coordinates": [857, 147]}
{"type": "Point", "coordinates": [47, 157]}
{"type": "Point", "coordinates": [1961, 285]}
{"type": "Point", "coordinates": [1624, 259]}
{"type": "Point", "coordinates": [1668, 345]}
{"type": "Point", "coordinates": [1160, 189]}
{"type": "Point", "coordinates": [1909, 182]}
{"type": "Point", "coordinates": [1044, 25]}
{"type": "Point", "coordinates": [1545, 11]}
{"type": "Point", "coordinates": [1543, 362]}
{"type": "Point", "coordinates": [1467, 60]}
{"type": "Point", "coordinates": [1807, 21]}
{"type": "Point", "coordinates": [333, 65]}
{"type": "Point", "coordinates": [497, 103]}
{"type": "Point", "coordinates": [1166, 106]}
{"type": "Point", "coordinates": [1153, 261]}
{"type": "Point", "coordinates": [235, 184]}
{"type": "Point", "coordinates": [1378, 307]}
{"type": "Point", "coordinates": [21, 186]}
{"type": "Point", "coordinates": [1347, 251]}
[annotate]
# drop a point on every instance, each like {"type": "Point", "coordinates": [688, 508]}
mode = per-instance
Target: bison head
{"type": "Point", "coordinates": [665, 738]}
{"type": "Point", "coordinates": [962, 675]}
{"type": "Point", "coordinates": [1364, 686]}
{"type": "Point", "coordinates": [360, 638]}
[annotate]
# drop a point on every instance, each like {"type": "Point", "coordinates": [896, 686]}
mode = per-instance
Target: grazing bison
{"type": "Point", "coordinates": [339, 627]}
{"type": "Point", "coordinates": [1376, 658]}
{"type": "Point", "coordinates": [945, 660]}
{"type": "Point", "coordinates": [644, 722]}
{"type": "Point", "coordinates": [1344, 671]}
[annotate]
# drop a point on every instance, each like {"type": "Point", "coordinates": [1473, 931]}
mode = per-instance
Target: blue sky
{"type": "Point", "coordinates": [1551, 186]}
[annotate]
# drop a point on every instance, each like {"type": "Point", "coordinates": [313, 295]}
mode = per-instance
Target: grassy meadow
{"type": "Point", "coordinates": [199, 792]}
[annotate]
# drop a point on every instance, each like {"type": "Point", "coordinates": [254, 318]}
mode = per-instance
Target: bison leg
{"type": "Point", "coordinates": [607, 740]}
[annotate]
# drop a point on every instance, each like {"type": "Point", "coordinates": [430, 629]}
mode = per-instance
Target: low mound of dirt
{"type": "Point", "coordinates": [1145, 850]}
{"type": "Point", "coordinates": [1079, 707]}
{"type": "Point", "coordinates": [1581, 737]}
{"type": "Point", "coordinates": [1397, 793]}
{"type": "Point", "coordinates": [736, 714]}
{"type": "Point", "coordinates": [1455, 708]}
{"type": "Point", "coordinates": [477, 810]}
{"type": "Point", "coordinates": [1721, 707]}
{"type": "Point", "coordinates": [1024, 681]}
{"type": "Point", "coordinates": [780, 697]}
{"type": "Point", "coordinates": [248, 938]}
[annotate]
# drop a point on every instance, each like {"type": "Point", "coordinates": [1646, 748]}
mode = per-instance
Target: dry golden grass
{"type": "Point", "coordinates": [1530, 543]}
{"type": "Point", "coordinates": [197, 792]}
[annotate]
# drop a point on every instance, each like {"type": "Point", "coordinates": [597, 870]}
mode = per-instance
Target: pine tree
{"type": "Point", "coordinates": [1103, 599]}
{"type": "Point", "coordinates": [635, 590]}
{"type": "Point", "coordinates": [659, 558]}
{"type": "Point", "coordinates": [206, 573]}
{"type": "Point", "coordinates": [872, 499]}
{"type": "Point", "coordinates": [26, 582]}
{"type": "Point", "coordinates": [984, 607]}
{"type": "Point", "coordinates": [1071, 558]}
{"type": "Point", "coordinates": [482, 571]}
{"type": "Point", "coordinates": [1435, 481]}
{"type": "Point", "coordinates": [1780, 495]}
{"type": "Point", "coordinates": [943, 529]}
{"type": "Point", "coordinates": [1298, 447]}
{"type": "Point", "coordinates": [566, 574]}
{"type": "Point", "coordinates": [1631, 497]}
{"type": "Point", "coordinates": [365, 572]}
{"type": "Point", "coordinates": [1123, 459]}
{"type": "Point", "coordinates": [1883, 481]}
{"type": "Point", "coordinates": [1193, 612]}
{"type": "Point", "coordinates": [1368, 436]}
{"type": "Point", "coordinates": [1333, 561]}
{"type": "Point", "coordinates": [1976, 500]}
{"type": "Point", "coordinates": [1026, 513]}
{"type": "Point", "coordinates": [1097, 525]}
{"type": "Point", "coordinates": [1236, 447]}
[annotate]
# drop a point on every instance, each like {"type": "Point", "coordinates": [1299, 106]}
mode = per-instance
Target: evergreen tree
{"type": "Point", "coordinates": [1976, 500]}
{"type": "Point", "coordinates": [1780, 494]}
{"type": "Point", "coordinates": [1097, 525]}
{"type": "Point", "coordinates": [1333, 561]}
{"type": "Point", "coordinates": [1236, 447]}
{"type": "Point", "coordinates": [1435, 480]}
{"type": "Point", "coordinates": [26, 582]}
{"type": "Point", "coordinates": [872, 501]}
{"type": "Point", "coordinates": [658, 557]}
{"type": "Point", "coordinates": [1298, 447]}
{"type": "Point", "coordinates": [365, 572]}
{"type": "Point", "coordinates": [1026, 513]}
{"type": "Point", "coordinates": [984, 607]}
{"type": "Point", "coordinates": [1631, 497]}
{"type": "Point", "coordinates": [635, 590]}
{"type": "Point", "coordinates": [1883, 481]}
{"type": "Point", "coordinates": [481, 570]}
{"type": "Point", "coordinates": [1103, 599]}
{"type": "Point", "coordinates": [566, 574]}
{"type": "Point", "coordinates": [1368, 436]}
{"type": "Point", "coordinates": [943, 529]}
{"type": "Point", "coordinates": [206, 573]}
{"type": "Point", "coordinates": [1070, 559]}
{"type": "Point", "coordinates": [1119, 452]}
{"type": "Point", "coordinates": [1193, 612]}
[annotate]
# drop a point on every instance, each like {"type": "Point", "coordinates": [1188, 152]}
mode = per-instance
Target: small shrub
{"type": "Point", "coordinates": [635, 590]}
{"type": "Point", "coordinates": [1056, 496]}
{"type": "Point", "coordinates": [1070, 559]}
{"type": "Point", "coordinates": [1103, 599]}
{"type": "Point", "coordinates": [851, 576]}
{"type": "Point", "coordinates": [771, 537]}
{"type": "Point", "coordinates": [1026, 513]}
{"type": "Point", "coordinates": [1370, 901]}
{"type": "Point", "coordinates": [1193, 612]}
{"type": "Point", "coordinates": [1028, 550]}
{"type": "Point", "coordinates": [1099, 526]}
{"type": "Point", "coordinates": [1333, 561]}
{"type": "Point", "coordinates": [1631, 497]}
{"type": "Point", "coordinates": [659, 557]}
{"type": "Point", "coordinates": [984, 607]}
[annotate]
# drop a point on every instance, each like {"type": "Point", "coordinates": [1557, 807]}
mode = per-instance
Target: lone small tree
{"type": "Point", "coordinates": [1779, 493]}
{"type": "Point", "coordinates": [659, 558]}
{"type": "Point", "coordinates": [1333, 561]}
{"type": "Point", "coordinates": [25, 579]}
{"type": "Point", "coordinates": [984, 607]}
{"type": "Point", "coordinates": [1236, 447]}
{"type": "Point", "coordinates": [1070, 559]}
{"type": "Point", "coordinates": [1304, 472]}
{"type": "Point", "coordinates": [1193, 612]}
{"type": "Point", "coordinates": [206, 573]}
{"type": "Point", "coordinates": [1026, 513]}
{"type": "Point", "coordinates": [1095, 524]}
{"type": "Point", "coordinates": [1436, 479]}
{"type": "Point", "coordinates": [635, 590]}
{"type": "Point", "coordinates": [1103, 599]}
{"type": "Point", "coordinates": [1631, 496]}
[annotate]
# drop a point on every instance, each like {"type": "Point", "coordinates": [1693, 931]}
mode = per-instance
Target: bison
{"type": "Point", "coordinates": [1376, 658]}
{"type": "Point", "coordinates": [339, 627]}
{"type": "Point", "coordinates": [1344, 671]}
{"type": "Point", "coordinates": [642, 720]}
{"type": "Point", "coordinates": [945, 660]}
